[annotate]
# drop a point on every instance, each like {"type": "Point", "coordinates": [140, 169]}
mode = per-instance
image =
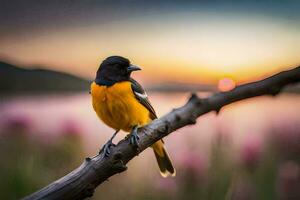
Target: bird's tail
{"type": "Point", "coordinates": [165, 165]}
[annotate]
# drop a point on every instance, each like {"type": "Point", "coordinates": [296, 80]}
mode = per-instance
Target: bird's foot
{"type": "Point", "coordinates": [134, 138]}
{"type": "Point", "coordinates": [106, 148]}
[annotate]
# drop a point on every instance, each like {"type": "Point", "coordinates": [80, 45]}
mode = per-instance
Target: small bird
{"type": "Point", "coordinates": [122, 104]}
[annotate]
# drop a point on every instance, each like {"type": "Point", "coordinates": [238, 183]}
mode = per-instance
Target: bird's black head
{"type": "Point", "coordinates": [114, 69]}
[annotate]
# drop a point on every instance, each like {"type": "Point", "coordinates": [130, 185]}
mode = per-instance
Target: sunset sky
{"type": "Point", "coordinates": [173, 42]}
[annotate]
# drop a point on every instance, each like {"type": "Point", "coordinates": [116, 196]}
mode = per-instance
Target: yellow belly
{"type": "Point", "coordinates": [117, 106]}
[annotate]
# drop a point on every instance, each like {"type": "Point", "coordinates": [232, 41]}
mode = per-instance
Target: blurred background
{"type": "Point", "coordinates": [50, 51]}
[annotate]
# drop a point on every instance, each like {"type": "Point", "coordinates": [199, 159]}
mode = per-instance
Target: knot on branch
{"type": "Point", "coordinates": [193, 97]}
{"type": "Point", "coordinates": [174, 109]}
{"type": "Point", "coordinates": [218, 110]}
{"type": "Point", "coordinates": [89, 190]}
{"type": "Point", "coordinates": [177, 117]}
{"type": "Point", "coordinates": [196, 100]}
{"type": "Point", "coordinates": [275, 90]}
{"type": "Point", "coordinates": [118, 163]}
{"type": "Point", "coordinates": [166, 128]}
{"type": "Point", "coordinates": [193, 120]}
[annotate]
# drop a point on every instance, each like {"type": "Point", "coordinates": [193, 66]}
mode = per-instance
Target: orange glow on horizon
{"type": "Point", "coordinates": [189, 49]}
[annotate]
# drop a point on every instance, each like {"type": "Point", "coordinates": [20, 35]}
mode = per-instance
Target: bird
{"type": "Point", "coordinates": [122, 104]}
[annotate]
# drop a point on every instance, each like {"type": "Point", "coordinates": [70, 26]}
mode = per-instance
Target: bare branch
{"type": "Point", "coordinates": [81, 182]}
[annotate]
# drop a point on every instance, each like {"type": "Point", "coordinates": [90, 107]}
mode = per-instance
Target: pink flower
{"type": "Point", "coordinates": [250, 152]}
{"type": "Point", "coordinates": [17, 124]}
{"type": "Point", "coordinates": [70, 127]}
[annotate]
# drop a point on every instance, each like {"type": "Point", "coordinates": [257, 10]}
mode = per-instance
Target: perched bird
{"type": "Point", "coordinates": [122, 104]}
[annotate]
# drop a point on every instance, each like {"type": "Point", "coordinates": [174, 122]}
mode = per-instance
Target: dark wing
{"type": "Point", "coordinates": [142, 97]}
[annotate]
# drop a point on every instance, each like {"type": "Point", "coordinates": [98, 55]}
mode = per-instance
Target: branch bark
{"type": "Point", "coordinates": [82, 182]}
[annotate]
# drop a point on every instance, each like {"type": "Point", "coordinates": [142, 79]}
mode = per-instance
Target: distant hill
{"type": "Point", "coordinates": [15, 80]}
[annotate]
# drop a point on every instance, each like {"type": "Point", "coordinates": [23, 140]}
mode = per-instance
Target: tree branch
{"type": "Point", "coordinates": [81, 182]}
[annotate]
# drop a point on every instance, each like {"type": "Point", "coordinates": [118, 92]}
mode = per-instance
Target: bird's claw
{"type": "Point", "coordinates": [134, 138]}
{"type": "Point", "coordinates": [106, 148]}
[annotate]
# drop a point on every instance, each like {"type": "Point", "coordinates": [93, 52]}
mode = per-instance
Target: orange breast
{"type": "Point", "coordinates": [117, 106]}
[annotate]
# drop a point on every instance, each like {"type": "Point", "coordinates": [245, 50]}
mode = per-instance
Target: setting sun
{"type": "Point", "coordinates": [226, 84]}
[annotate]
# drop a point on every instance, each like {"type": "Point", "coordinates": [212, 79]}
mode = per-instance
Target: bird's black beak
{"type": "Point", "coordinates": [132, 68]}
